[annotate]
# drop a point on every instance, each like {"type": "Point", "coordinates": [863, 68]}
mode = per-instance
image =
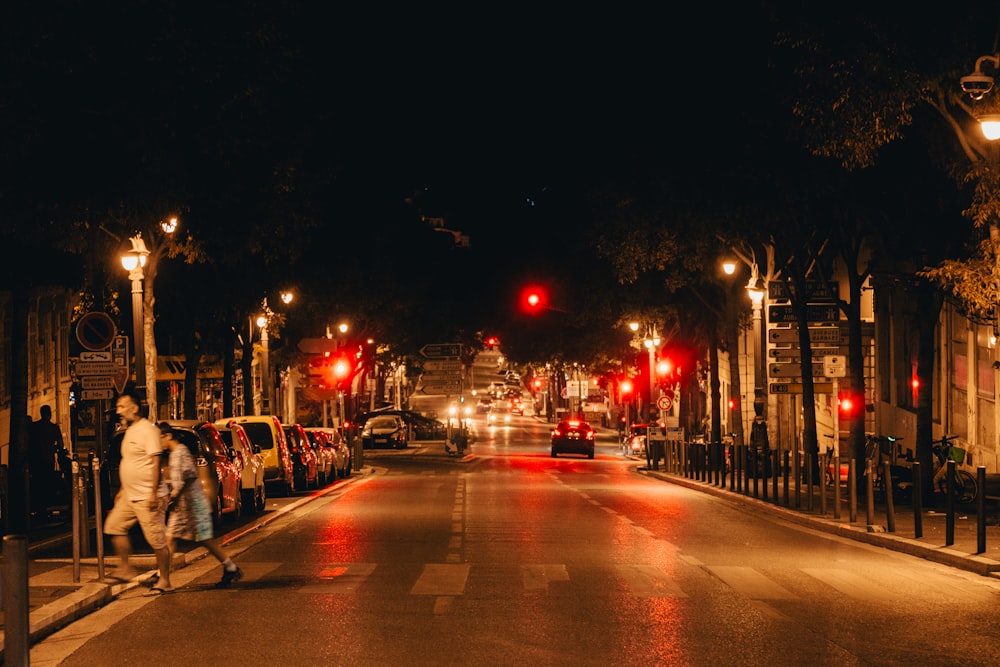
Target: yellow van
{"type": "Point", "coordinates": [267, 431]}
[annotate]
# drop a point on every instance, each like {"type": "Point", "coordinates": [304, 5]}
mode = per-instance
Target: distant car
{"type": "Point", "coordinates": [220, 476]}
{"type": "Point", "coordinates": [515, 405]}
{"type": "Point", "coordinates": [304, 465]}
{"type": "Point", "coordinates": [389, 430]}
{"type": "Point", "coordinates": [326, 457]}
{"type": "Point", "coordinates": [485, 404]}
{"type": "Point", "coordinates": [420, 426]}
{"type": "Point", "coordinates": [249, 460]}
{"type": "Point", "coordinates": [499, 415]}
{"type": "Point", "coordinates": [342, 452]}
{"type": "Point", "coordinates": [573, 436]}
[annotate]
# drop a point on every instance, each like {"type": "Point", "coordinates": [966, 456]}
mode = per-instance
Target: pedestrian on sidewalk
{"type": "Point", "coordinates": [142, 496]}
{"type": "Point", "coordinates": [190, 514]}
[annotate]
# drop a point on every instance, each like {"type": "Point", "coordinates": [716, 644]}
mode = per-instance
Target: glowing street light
{"type": "Point", "coordinates": [134, 261]}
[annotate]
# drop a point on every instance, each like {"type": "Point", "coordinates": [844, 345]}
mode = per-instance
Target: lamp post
{"type": "Point", "coordinates": [265, 364]}
{"type": "Point", "coordinates": [758, 433]}
{"type": "Point", "coordinates": [134, 260]}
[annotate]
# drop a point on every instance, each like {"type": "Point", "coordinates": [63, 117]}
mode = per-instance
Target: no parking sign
{"type": "Point", "coordinates": [664, 402]}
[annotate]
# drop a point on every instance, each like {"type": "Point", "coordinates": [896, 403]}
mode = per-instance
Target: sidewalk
{"type": "Point", "coordinates": [963, 553]}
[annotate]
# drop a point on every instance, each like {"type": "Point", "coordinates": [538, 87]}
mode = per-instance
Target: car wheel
{"type": "Point", "coordinates": [249, 499]}
{"type": "Point", "coordinates": [553, 452]}
{"type": "Point", "coordinates": [237, 512]}
{"type": "Point", "coordinates": [261, 498]}
{"type": "Point", "coordinates": [590, 455]}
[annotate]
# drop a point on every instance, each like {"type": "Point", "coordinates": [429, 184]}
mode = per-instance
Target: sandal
{"type": "Point", "coordinates": [156, 591]}
{"type": "Point", "coordinates": [152, 581]}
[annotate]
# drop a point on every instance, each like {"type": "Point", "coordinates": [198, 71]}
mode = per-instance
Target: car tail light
{"type": "Point", "coordinates": [590, 435]}
{"type": "Point", "coordinates": [556, 433]}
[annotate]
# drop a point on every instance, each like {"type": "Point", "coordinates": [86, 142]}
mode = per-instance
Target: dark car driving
{"type": "Point", "coordinates": [573, 436]}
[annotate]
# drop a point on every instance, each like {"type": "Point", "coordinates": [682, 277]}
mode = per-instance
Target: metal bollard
{"type": "Point", "coordinates": [918, 500]}
{"type": "Point", "coordinates": [949, 503]}
{"type": "Point", "coordinates": [890, 508]}
{"type": "Point", "coordinates": [15, 600]}
{"type": "Point", "coordinates": [981, 506]}
{"type": "Point", "coordinates": [870, 493]}
{"type": "Point", "coordinates": [852, 490]}
{"type": "Point", "coordinates": [95, 466]}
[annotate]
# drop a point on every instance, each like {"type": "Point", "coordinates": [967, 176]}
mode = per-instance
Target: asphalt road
{"type": "Point", "coordinates": [515, 558]}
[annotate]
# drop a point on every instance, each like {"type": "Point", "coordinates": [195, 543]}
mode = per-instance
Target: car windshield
{"type": "Point", "coordinates": [259, 434]}
{"type": "Point", "coordinates": [383, 422]}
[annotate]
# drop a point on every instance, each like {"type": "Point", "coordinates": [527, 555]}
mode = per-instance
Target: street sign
{"type": "Point", "coordinates": [664, 402]}
{"type": "Point", "coordinates": [834, 366]}
{"type": "Point", "coordinates": [439, 365]}
{"type": "Point", "coordinates": [796, 352]}
{"type": "Point", "coordinates": [442, 350]}
{"type": "Point", "coordinates": [449, 387]}
{"type": "Point", "coordinates": [816, 335]}
{"type": "Point", "coordinates": [792, 370]}
{"type": "Point", "coordinates": [96, 382]}
{"type": "Point", "coordinates": [95, 368]}
{"type": "Point", "coordinates": [815, 291]}
{"type": "Point", "coordinates": [813, 314]}
{"type": "Point", "coordinates": [96, 394]}
{"type": "Point", "coordinates": [119, 353]}
{"type": "Point", "coordinates": [796, 387]}
{"type": "Point", "coordinates": [102, 355]}
{"type": "Point", "coordinates": [95, 331]}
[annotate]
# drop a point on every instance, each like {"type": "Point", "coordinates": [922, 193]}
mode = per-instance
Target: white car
{"type": "Point", "coordinates": [384, 429]}
{"type": "Point", "coordinates": [249, 460]}
{"type": "Point", "coordinates": [342, 453]}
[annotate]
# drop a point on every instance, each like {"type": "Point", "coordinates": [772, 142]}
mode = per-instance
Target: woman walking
{"type": "Point", "coordinates": [190, 515]}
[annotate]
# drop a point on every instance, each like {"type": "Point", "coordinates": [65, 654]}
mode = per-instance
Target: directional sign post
{"type": "Point", "coordinates": [442, 350]}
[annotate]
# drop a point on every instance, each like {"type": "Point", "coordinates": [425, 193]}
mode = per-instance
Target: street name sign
{"type": "Point", "coordinates": [442, 365]}
{"type": "Point", "coordinates": [796, 387]}
{"type": "Point", "coordinates": [816, 335]}
{"type": "Point", "coordinates": [815, 291]}
{"type": "Point", "coordinates": [792, 370]}
{"type": "Point", "coordinates": [813, 314]}
{"type": "Point", "coordinates": [96, 368]}
{"type": "Point", "coordinates": [449, 387]}
{"type": "Point", "coordinates": [96, 382]}
{"type": "Point", "coordinates": [796, 352]}
{"type": "Point", "coordinates": [442, 350]}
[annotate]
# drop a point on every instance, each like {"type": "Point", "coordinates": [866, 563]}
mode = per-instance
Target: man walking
{"type": "Point", "coordinates": [142, 496]}
{"type": "Point", "coordinates": [45, 444]}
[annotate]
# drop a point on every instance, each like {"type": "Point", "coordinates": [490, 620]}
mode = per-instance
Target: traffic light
{"type": "Point", "coordinates": [626, 387]}
{"type": "Point", "coordinates": [491, 342]}
{"type": "Point", "coordinates": [848, 405]}
{"type": "Point", "coordinates": [666, 372]}
{"type": "Point", "coordinates": [534, 300]}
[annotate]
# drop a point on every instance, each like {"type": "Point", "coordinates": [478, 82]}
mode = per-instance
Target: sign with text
{"type": "Point", "coordinates": [796, 387]}
{"type": "Point", "coordinates": [815, 291]}
{"type": "Point", "coordinates": [816, 335]}
{"type": "Point", "coordinates": [442, 350]}
{"type": "Point", "coordinates": [813, 314]}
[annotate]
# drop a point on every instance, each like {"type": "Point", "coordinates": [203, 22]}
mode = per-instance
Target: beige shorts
{"type": "Point", "coordinates": [126, 513]}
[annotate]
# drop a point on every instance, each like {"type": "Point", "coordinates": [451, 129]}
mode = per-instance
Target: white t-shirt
{"type": "Point", "coordinates": [141, 450]}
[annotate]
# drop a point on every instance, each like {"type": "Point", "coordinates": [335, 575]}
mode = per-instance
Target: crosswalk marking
{"type": "Point", "coordinates": [648, 581]}
{"type": "Point", "coordinates": [442, 579]}
{"type": "Point", "coordinates": [537, 577]}
{"type": "Point", "coordinates": [340, 578]}
{"type": "Point", "coordinates": [750, 583]}
{"type": "Point", "coordinates": [851, 584]}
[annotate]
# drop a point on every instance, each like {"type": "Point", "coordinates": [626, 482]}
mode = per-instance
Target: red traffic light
{"type": "Point", "coordinates": [534, 300]}
{"type": "Point", "coordinates": [492, 342]}
{"type": "Point", "coordinates": [626, 387]}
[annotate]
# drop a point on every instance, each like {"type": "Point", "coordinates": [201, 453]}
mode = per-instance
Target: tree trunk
{"type": "Point", "coordinates": [16, 514]}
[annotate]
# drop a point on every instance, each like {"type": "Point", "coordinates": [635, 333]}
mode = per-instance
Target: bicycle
{"type": "Point", "coordinates": [878, 450]}
{"type": "Point", "coordinates": [964, 485]}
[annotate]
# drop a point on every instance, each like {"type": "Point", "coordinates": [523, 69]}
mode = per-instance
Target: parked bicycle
{"type": "Point", "coordinates": [879, 449]}
{"type": "Point", "coordinates": [964, 485]}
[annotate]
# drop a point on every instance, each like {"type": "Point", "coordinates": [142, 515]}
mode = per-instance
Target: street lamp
{"type": "Point", "coordinates": [134, 260]}
{"type": "Point", "coordinates": [263, 321]}
{"type": "Point", "coordinates": [758, 433]}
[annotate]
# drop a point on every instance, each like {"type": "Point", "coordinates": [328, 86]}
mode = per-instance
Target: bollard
{"type": "Point", "coordinates": [797, 473]}
{"type": "Point", "coordinates": [775, 467]}
{"type": "Point", "coordinates": [785, 475]}
{"type": "Point", "coordinates": [732, 467]}
{"type": "Point", "coordinates": [981, 502]}
{"type": "Point", "coordinates": [852, 490]}
{"type": "Point", "coordinates": [822, 485]}
{"type": "Point", "coordinates": [890, 508]}
{"type": "Point", "coordinates": [870, 493]}
{"type": "Point", "coordinates": [16, 646]}
{"type": "Point", "coordinates": [949, 503]}
{"type": "Point", "coordinates": [95, 466]}
{"type": "Point", "coordinates": [78, 522]}
{"type": "Point", "coordinates": [918, 500]}
{"type": "Point", "coordinates": [836, 487]}
{"type": "Point", "coordinates": [809, 481]}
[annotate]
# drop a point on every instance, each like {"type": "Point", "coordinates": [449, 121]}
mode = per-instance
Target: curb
{"type": "Point", "coordinates": [976, 564]}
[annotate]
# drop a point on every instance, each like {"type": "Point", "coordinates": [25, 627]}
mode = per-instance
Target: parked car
{"type": "Point", "coordinates": [343, 457]}
{"type": "Point", "coordinates": [573, 436]}
{"type": "Point", "coordinates": [304, 465]}
{"type": "Point", "coordinates": [267, 431]}
{"type": "Point", "coordinates": [250, 461]}
{"type": "Point", "coordinates": [389, 430]}
{"type": "Point", "coordinates": [326, 457]}
{"type": "Point", "coordinates": [220, 475]}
